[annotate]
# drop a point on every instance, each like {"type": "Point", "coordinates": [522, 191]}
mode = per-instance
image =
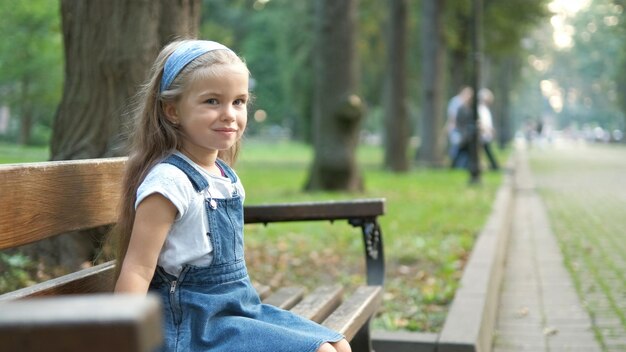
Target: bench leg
{"type": "Point", "coordinates": [362, 341]}
{"type": "Point", "coordinates": [374, 255]}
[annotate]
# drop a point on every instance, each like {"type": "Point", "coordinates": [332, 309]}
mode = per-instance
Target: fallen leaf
{"type": "Point", "coordinates": [522, 312]}
{"type": "Point", "coordinates": [550, 330]}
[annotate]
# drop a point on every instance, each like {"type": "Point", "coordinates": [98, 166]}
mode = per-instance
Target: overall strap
{"type": "Point", "coordinates": [227, 170]}
{"type": "Point", "coordinates": [197, 180]}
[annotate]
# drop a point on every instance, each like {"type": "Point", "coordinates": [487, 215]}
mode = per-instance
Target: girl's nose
{"type": "Point", "coordinates": [229, 113]}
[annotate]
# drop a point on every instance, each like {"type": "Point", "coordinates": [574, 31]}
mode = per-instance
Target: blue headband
{"type": "Point", "coordinates": [182, 56]}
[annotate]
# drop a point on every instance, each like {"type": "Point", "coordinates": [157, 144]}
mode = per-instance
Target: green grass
{"type": "Point", "coordinates": [10, 153]}
{"type": "Point", "coordinates": [432, 218]}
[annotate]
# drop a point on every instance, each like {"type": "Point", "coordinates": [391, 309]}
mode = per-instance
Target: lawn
{"type": "Point", "coordinates": [10, 153]}
{"type": "Point", "coordinates": [432, 218]}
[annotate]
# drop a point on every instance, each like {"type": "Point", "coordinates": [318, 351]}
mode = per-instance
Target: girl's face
{"type": "Point", "coordinates": [212, 112]}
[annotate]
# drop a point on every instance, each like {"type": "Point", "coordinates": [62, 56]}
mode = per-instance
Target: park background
{"type": "Point", "coordinates": [404, 61]}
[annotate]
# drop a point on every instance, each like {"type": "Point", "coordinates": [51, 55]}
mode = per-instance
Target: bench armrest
{"type": "Point", "coordinates": [361, 212]}
{"type": "Point", "coordinates": [311, 211]}
{"type": "Point", "coordinates": [96, 323]}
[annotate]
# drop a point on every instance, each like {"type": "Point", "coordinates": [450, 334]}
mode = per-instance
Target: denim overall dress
{"type": "Point", "coordinates": [216, 308]}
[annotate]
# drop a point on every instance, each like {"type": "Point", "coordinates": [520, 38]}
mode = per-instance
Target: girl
{"type": "Point", "coordinates": [180, 231]}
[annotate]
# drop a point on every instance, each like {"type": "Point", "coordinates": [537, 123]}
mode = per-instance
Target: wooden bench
{"type": "Point", "coordinates": [41, 200]}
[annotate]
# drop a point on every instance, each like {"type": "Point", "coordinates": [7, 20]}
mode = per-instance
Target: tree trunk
{"type": "Point", "coordinates": [109, 49]}
{"type": "Point", "coordinates": [337, 110]}
{"type": "Point", "coordinates": [431, 150]}
{"type": "Point", "coordinates": [26, 113]}
{"type": "Point", "coordinates": [395, 94]}
{"type": "Point", "coordinates": [179, 18]}
{"type": "Point", "coordinates": [477, 52]}
{"type": "Point", "coordinates": [458, 75]}
{"type": "Point", "coordinates": [502, 88]}
{"type": "Point", "coordinates": [459, 64]}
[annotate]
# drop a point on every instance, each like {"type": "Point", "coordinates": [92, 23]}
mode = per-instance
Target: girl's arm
{"type": "Point", "coordinates": [153, 218]}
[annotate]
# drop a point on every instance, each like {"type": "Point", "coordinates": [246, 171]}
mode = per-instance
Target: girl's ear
{"type": "Point", "coordinates": [171, 113]}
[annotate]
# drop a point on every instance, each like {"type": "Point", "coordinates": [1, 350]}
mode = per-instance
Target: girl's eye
{"type": "Point", "coordinates": [240, 102]}
{"type": "Point", "coordinates": [212, 101]}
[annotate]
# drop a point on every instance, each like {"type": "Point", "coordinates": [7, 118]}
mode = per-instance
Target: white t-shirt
{"type": "Point", "coordinates": [188, 241]}
{"type": "Point", "coordinates": [485, 123]}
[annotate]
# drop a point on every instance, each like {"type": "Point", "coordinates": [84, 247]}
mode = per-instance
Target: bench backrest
{"type": "Point", "coordinates": [41, 200]}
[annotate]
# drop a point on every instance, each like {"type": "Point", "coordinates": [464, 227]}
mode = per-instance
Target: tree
{"type": "Point", "coordinates": [619, 6]}
{"type": "Point", "coordinates": [397, 130]}
{"type": "Point", "coordinates": [433, 77]}
{"type": "Point", "coordinates": [109, 48]}
{"type": "Point", "coordinates": [458, 26]}
{"type": "Point", "coordinates": [338, 110]}
{"type": "Point", "coordinates": [592, 96]}
{"type": "Point", "coordinates": [594, 50]}
{"type": "Point", "coordinates": [502, 43]}
{"type": "Point", "coordinates": [284, 78]}
{"type": "Point", "coordinates": [504, 78]}
{"type": "Point", "coordinates": [505, 24]}
{"type": "Point", "coordinates": [30, 65]}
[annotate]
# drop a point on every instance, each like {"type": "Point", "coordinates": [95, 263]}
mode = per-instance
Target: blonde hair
{"type": "Point", "coordinates": [154, 137]}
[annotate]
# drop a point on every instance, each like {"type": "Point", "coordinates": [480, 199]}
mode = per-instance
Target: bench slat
{"type": "Point", "coordinates": [285, 297]}
{"type": "Point", "coordinates": [320, 303]}
{"type": "Point", "coordinates": [97, 279]}
{"type": "Point", "coordinates": [354, 312]}
{"type": "Point", "coordinates": [95, 323]}
{"type": "Point", "coordinates": [262, 290]}
{"type": "Point", "coordinates": [40, 200]}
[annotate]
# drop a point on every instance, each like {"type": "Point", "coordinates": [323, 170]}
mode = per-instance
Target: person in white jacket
{"type": "Point", "coordinates": [485, 125]}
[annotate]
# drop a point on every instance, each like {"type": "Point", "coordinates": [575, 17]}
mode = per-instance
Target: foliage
{"type": "Point", "coordinates": [373, 16]}
{"type": "Point", "coordinates": [620, 79]}
{"type": "Point", "coordinates": [592, 93]}
{"type": "Point", "coordinates": [31, 61]}
{"type": "Point", "coordinates": [16, 271]}
{"type": "Point", "coordinates": [505, 24]}
{"type": "Point", "coordinates": [283, 79]}
{"type": "Point", "coordinates": [590, 97]}
{"type": "Point", "coordinates": [275, 38]}
{"type": "Point", "coordinates": [11, 153]}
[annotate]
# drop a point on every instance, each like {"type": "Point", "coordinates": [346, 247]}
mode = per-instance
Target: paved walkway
{"type": "Point", "coordinates": [539, 307]}
{"type": "Point", "coordinates": [584, 191]}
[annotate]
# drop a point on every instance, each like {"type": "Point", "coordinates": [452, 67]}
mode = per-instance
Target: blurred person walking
{"type": "Point", "coordinates": [485, 125]}
{"type": "Point", "coordinates": [455, 134]}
